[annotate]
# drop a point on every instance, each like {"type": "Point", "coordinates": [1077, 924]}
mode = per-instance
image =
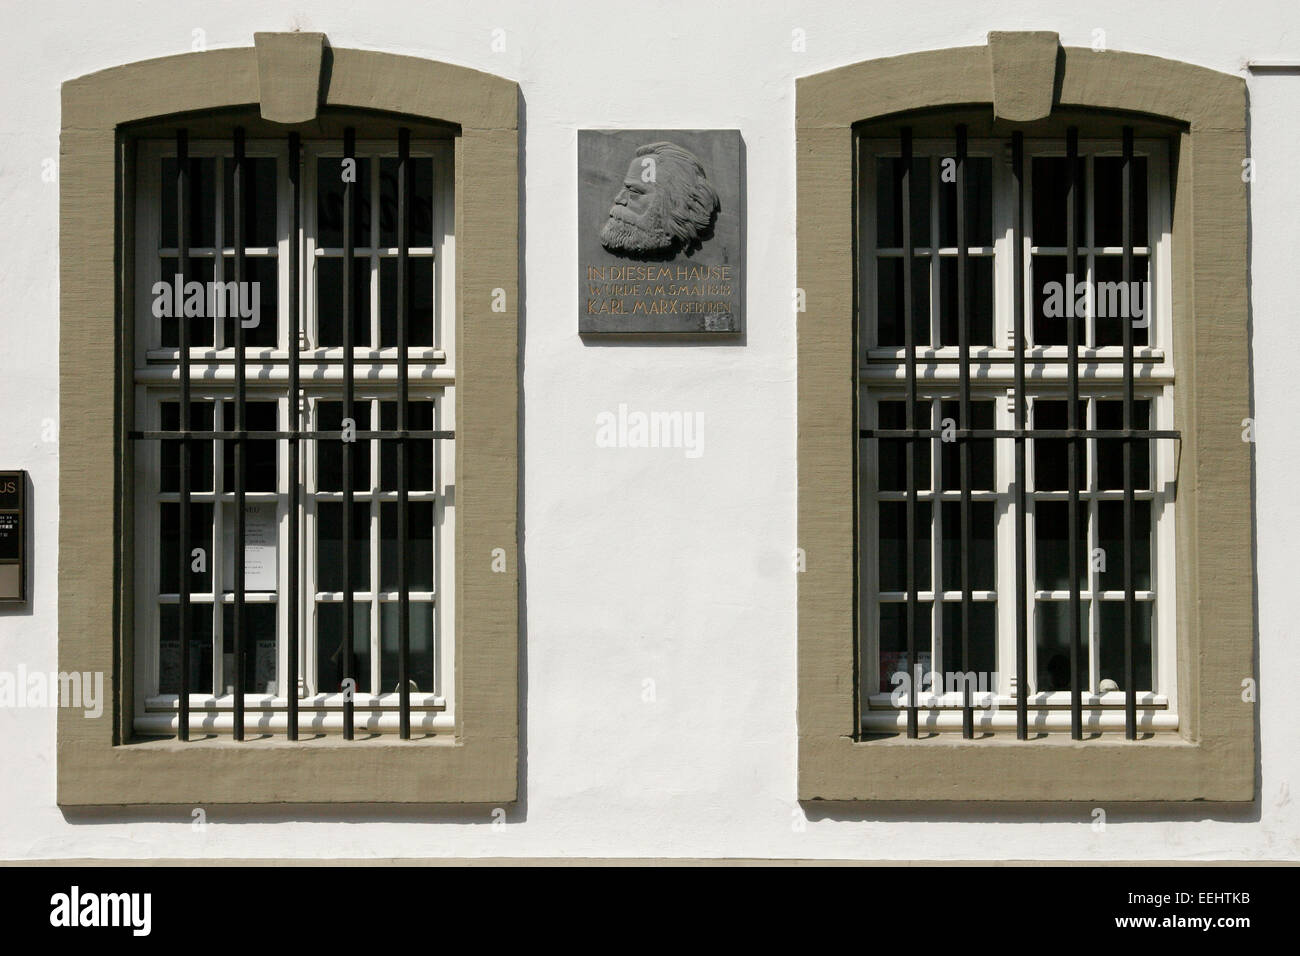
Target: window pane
{"type": "Point", "coordinates": [1111, 643]}
{"type": "Point", "coordinates": [201, 271]}
{"type": "Point", "coordinates": [259, 649]}
{"type": "Point", "coordinates": [981, 644]}
{"type": "Point", "coordinates": [1051, 182]}
{"type": "Point", "coordinates": [199, 582]}
{"type": "Point", "coordinates": [421, 186]}
{"type": "Point", "coordinates": [331, 642]}
{"type": "Point", "coordinates": [1108, 207]}
{"type": "Point", "coordinates": [1052, 645]}
{"type": "Point", "coordinates": [329, 302]}
{"type": "Point", "coordinates": [419, 546]}
{"type": "Point", "coordinates": [981, 550]}
{"type": "Point", "coordinates": [259, 453]}
{"type": "Point", "coordinates": [893, 545]}
{"type": "Point", "coordinates": [329, 203]}
{"type": "Point", "coordinates": [260, 326]}
{"type": "Point", "coordinates": [201, 202]}
{"type": "Point", "coordinates": [419, 454]}
{"type": "Point", "coordinates": [329, 451]}
{"type": "Point", "coordinates": [200, 451]}
{"type": "Point", "coordinates": [981, 449]}
{"type": "Point", "coordinates": [169, 649]}
{"type": "Point", "coordinates": [419, 317]}
{"type": "Point", "coordinates": [889, 302]}
{"type": "Point", "coordinates": [1110, 451]}
{"type": "Point", "coordinates": [979, 204]}
{"type": "Point", "coordinates": [1110, 531]}
{"type": "Point", "coordinates": [420, 656]}
{"type": "Point", "coordinates": [1114, 303]}
{"type": "Point", "coordinates": [893, 640]}
{"type": "Point", "coordinates": [330, 571]}
{"type": "Point", "coordinates": [1052, 560]}
{"type": "Point", "coordinates": [1059, 300]}
{"type": "Point", "coordinates": [979, 279]}
{"type": "Point", "coordinates": [889, 202]}
{"type": "Point", "coordinates": [259, 202]}
{"type": "Point", "coordinates": [1051, 455]}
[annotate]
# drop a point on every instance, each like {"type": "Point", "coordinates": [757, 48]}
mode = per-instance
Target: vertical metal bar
{"type": "Point", "coordinates": [909, 342]}
{"type": "Point", "coordinates": [349, 308]}
{"type": "Point", "coordinates": [241, 425]}
{"type": "Point", "coordinates": [183, 518]}
{"type": "Point", "coordinates": [1071, 255]}
{"type": "Point", "coordinates": [1130, 690]}
{"type": "Point", "coordinates": [963, 341]}
{"type": "Point", "coordinates": [295, 426]}
{"type": "Point", "coordinates": [1018, 346]}
{"type": "Point", "coordinates": [403, 422]}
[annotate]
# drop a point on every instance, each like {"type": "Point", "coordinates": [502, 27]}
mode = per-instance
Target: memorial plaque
{"type": "Point", "coordinates": [13, 537]}
{"type": "Point", "coordinates": [659, 231]}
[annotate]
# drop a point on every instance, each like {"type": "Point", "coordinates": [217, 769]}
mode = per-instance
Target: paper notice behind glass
{"type": "Point", "coordinates": [259, 546]}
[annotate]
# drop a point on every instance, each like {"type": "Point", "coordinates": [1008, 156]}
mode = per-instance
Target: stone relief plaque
{"type": "Point", "coordinates": [659, 231]}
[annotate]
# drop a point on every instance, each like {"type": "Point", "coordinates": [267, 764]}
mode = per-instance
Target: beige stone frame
{"type": "Point", "coordinates": [1213, 756]}
{"type": "Point", "coordinates": [99, 760]}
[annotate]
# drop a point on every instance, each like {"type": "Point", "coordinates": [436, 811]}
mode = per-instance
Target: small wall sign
{"type": "Point", "coordinates": [659, 231]}
{"type": "Point", "coordinates": [13, 537]}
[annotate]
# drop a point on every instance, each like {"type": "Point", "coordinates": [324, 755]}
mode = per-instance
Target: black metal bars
{"type": "Point", "coordinates": [295, 419]}
{"type": "Point", "coordinates": [963, 343]}
{"type": "Point", "coordinates": [241, 423]}
{"type": "Point", "coordinates": [909, 419]}
{"type": "Point", "coordinates": [403, 461]}
{"type": "Point", "coordinates": [349, 314]}
{"type": "Point", "coordinates": [1018, 347]}
{"type": "Point", "coordinates": [183, 518]}
{"type": "Point", "coordinates": [1126, 217]}
{"type": "Point", "coordinates": [1072, 420]}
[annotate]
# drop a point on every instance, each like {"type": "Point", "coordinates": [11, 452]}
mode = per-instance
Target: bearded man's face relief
{"type": "Point", "coordinates": [666, 203]}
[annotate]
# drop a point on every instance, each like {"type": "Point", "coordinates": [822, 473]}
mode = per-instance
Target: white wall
{"type": "Point", "coordinates": [641, 563]}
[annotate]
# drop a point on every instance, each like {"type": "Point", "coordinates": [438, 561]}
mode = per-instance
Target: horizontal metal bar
{"type": "Point", "coordinates": [383, 435]}
{"type": "Point", "coordinates": [960, 433]}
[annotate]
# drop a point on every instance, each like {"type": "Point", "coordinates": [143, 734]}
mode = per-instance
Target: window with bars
{"type": "Point", "coordinates": [300, 400]}
{"type": "Point", "coordinates": [1018, 451]}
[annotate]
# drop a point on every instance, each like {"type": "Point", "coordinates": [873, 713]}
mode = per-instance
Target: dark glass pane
{"type": "Point", "coordinates": [1110, 531]}
{"type": "Point", "coordinates": [329, 302]}
{"type": "Point", "coordinates": [981, 644]}
{"type": "Point", "coordinates": [1051, 559]}
{"type": "Point", "coordinates": [1051, 455]}
{"type": "Point", "coordinates": [169, 649]}
{"type": "Point", "coordinates": [419, 317]}
{"type": "Point", "coordinates": [259, 453]}
{"type": "Point", "coordinates": [420, 171]}
{"type": "Point", "coordinates": [979, 278]}
{"type": "Point", "coordinates": [981, 449]}
{"type": "Point", "coordinates": [259, 207]}
{"type": "Point", "coordinates": [892, 452]}
{"type": "Point", "coordinates": [201, 324]}
{"type": "Point", "coordinates": [330, 571]}
{"type": "Point", "coordinates": [1110, 451]}
{"type": "Point", "coordinates": [893, 545]}
{"type": "Point", "coordinates": [260, 326]}
{"type": "Point", "coordinates": [1059, 299]}
{"type": "Point", "coordinates": [329, 451]}
{"type": "Point", "coordinates": [420, 648]}
{"type": "Point", "coordinates": [419, 546]}
{"type": "Point", "coordinates": [893, 640]}
{"type": "Point", "coordinates": [1052, 644]}
{"type": "Point", "coordinates": [1110, 640]}
{"type": "Point", "coordinates": [200, 451]}
{"type": "Point", "coordinates": [1108, 206]}
{"type": "Point", "coordinates": [890, 332]}
{"type": "Point", "coordinates": [979, 204]}
{"type": "Point", "coordinates": [419, 453]}
{"type": "Point", "coordinates": [201, 203]}
{"type": "Point", "coordinates": [329, 203]}
{"type": "Point", "coordinates": [1051, 181]}
{"type": "Point", "coordinates": [259, 649]}
{"type": "Point", "coordinates": [331, 642]}
{"type": "Point", "coordinates": [889, 202]}
{"type": "Point", "coordinates": [200, 536]}
{"type": "Point", "coordinates": [1114, 303]}
{"type": "Point", "coordinates": [983, 557]}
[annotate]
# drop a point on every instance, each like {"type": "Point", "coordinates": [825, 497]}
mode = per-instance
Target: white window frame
{"type": "Point", "coordinates": [432, 378]}
{"type": "Point", "coordinates": [882, 372]}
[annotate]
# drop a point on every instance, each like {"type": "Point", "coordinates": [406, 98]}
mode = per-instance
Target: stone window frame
{"type": "Point", "coordinates": [1025, 77]}
{"type": "Point", "coordinates": [288, 77]}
